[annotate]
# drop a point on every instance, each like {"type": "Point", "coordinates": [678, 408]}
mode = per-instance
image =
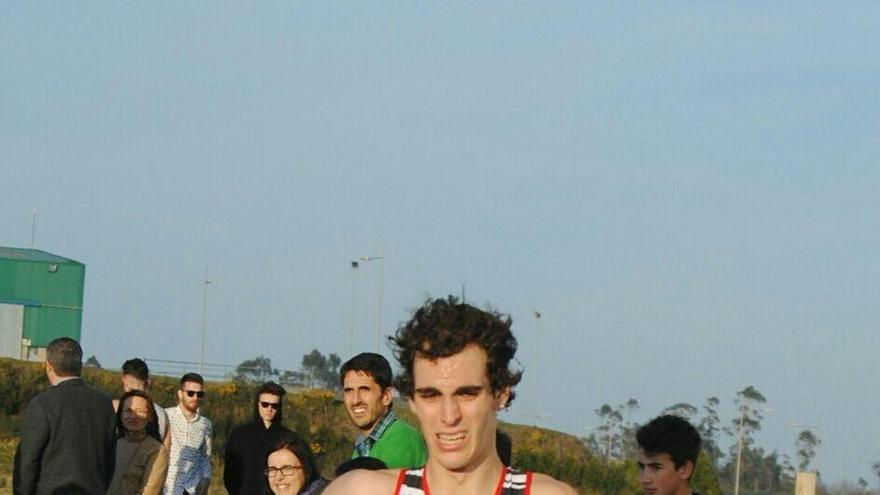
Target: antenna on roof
{"type": "Point", "coordinates": [33, 226]}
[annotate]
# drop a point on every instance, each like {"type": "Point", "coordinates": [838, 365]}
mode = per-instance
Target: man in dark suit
{"type": "Point", "coordinates": [67, 443]}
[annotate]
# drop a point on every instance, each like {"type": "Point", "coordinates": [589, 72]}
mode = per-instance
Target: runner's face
{"type": "Point", "coordinates": [365, 400]}
{"type": "Point", "coordinates": [659, 476]}
{"type": "Point", "coordinates": [457, 409]}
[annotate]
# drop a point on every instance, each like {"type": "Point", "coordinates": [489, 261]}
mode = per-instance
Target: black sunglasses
{"type": "Point", "coordinates": [273, 405]}
{"type": "Point", "coordinates": [198, 394]}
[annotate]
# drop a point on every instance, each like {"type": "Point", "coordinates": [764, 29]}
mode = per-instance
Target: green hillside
{"type": "Point", "coordinates": [320, 416]}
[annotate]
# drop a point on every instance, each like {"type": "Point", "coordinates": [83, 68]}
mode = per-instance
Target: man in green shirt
{"type": "Point", "coordinates": [366, 390]}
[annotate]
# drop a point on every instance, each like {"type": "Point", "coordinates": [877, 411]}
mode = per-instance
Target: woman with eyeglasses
{"type": "Point", "coordinates": [141, 459]}
{"type": "Point", "coordinates": [291, 468]}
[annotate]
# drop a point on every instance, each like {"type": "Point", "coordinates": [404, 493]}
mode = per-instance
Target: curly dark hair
{"type": "Point", "coordinates": [443, 327]}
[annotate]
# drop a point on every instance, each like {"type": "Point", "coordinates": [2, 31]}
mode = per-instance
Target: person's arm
{"type": "Point", "coordinates": [206, 468]}
{"type": "Point", "coordinates": [155, 472]}
{"type": "Point", "coordinates": [166, 440]}
{"type": "Point", "coordinates": [29, 454]}
{"type": "Point", "coordinates": [364, 482]}
{"type": "Point", "coordinates": [232, 465]}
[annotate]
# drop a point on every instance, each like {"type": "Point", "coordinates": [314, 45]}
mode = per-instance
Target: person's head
{"type": "Point", "coordinates": [63, 358]}
{"type": "Point", "coordinates": [135, 375]}
{"type": "Point", "coordinates": [191, 391]}
{"type": "Point", "coordinates": [668, 450]}
{"type": "Point", "coordinates": [366, 389]}
{"type": "Point", "coordinates": [455, 375]}
{"type": "Point", "coordinates": [290, 465]}
{"type": "Point", "coordinates": [136, 413]}
{"type": "Point", "coordinates": [269, 404]}
{"type": "Point", "coordinates": [363, 462]}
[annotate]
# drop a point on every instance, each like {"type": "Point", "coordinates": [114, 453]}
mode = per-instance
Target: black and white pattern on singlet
{"type": "Point", "coordinates": [514, 482]}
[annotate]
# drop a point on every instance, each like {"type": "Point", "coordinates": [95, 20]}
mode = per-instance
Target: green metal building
{"type": "Point", "coordinates": [41, 298]}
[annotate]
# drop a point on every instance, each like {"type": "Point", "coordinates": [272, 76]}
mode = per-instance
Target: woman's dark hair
{"type": "Point", "coordinates": [274, 389]}
{"type": "Point", "coordinates": [300, 448]}
{"type": "Point", "coordinates": [443, 327]}
{"type": "Point", "coordinates": [152, 427]}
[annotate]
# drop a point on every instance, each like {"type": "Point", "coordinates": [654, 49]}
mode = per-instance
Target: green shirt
{"type": "Point", "coordinates": [398, 445]}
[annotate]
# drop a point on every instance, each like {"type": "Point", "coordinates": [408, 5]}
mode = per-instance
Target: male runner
{"type": "Point", "coordinates": [454, 374]}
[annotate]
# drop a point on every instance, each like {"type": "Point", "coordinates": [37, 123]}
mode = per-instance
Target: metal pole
{"type": "Point", "coordinates": [33, 226]}
{"type": "Point", "coordinates": [381, 291]}
{"type": "Point", "coordinates": [354, 269]}
{"type": "Point", "coordinates": [204, 318]}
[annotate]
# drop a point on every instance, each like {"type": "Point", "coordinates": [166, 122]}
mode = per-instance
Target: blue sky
{"type": "Point", "coordinates": [687, 192]}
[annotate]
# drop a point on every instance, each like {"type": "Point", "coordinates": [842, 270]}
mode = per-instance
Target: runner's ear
{"type": "Point", "coordinates": [501, 398]}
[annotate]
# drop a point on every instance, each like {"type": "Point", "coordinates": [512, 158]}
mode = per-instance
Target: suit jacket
{"type": "Point", "coordinates": [67, 443]}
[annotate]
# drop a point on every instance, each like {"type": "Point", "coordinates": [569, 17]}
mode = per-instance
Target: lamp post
{"type": "Point", "coordinates": [207, 282]}
{"type": "Point", "coordinates": [354, 269]}
{"type": "Point", "coordinates": [381, 259]}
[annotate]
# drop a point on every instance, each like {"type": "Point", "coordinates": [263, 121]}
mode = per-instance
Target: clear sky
{"type": "Point", "coordinates": [689, 193]}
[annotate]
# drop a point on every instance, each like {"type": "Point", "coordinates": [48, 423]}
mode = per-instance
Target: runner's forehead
{"type": "Point", "coordinates": [465, 368]}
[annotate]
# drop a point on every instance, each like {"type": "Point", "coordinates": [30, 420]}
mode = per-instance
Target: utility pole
{"type": "Point", "coordinates": [33, 226]}
{"type": "Point", "coordinates": [207, 282]}
{"type": "Point", "coordinates": [381, 294]}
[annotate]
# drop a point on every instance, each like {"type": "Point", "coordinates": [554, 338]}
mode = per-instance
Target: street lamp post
{"type": "Point", "coordinates": [381, 258]}
{"type": "Point", "coordinates": [207, 282]}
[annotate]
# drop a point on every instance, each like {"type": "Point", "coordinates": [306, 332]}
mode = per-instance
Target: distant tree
{"type": "Point", "coordinates": [609, 431]}
{"type": "Point", "coordinates": [92, 362]}
{"type": "Point", "coordinates": [256, 370]}
{"type": "Point", "coordinates": [682, 410]}
{"type": "Point", "coordinates": [629, 448]}
{"type": "Point", "coordinates": [863, 483]}
{"type": "Point", "coordinates": [807, 443]}
{"type": "Point", "coordinates": [709, 428]}
{"type": "Point", "coordinates": [741, 430]}
{"type": "Point", "coordinates": [316, 371]}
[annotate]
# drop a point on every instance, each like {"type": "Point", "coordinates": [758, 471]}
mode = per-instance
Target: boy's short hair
{"type": "Point", "coordinates": [370, 363]}
{"type": "Point", "coordinates": [671, 435]}
{"type": "Point", "coordinates": [137, 368]}
{"type": "Point", "coordinates": [192, 377]}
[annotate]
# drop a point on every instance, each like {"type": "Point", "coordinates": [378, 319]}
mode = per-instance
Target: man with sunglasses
{"type": "Point", "coordinates": [189, 466]}
{"type": "Point", "coordinates": [245, 456]}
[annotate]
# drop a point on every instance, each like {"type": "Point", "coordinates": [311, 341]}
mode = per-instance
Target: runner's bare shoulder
{"type": "Point", "coordinates": [547, 485]}
{"type": "Point", "coordinates": [364, 482]}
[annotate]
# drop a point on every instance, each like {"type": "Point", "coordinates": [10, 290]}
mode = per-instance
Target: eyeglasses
{"type": "Point", "coordinates": [197, 393]}
{"type": "Point", "coordinates": [273, 405]}
{"type": "Point", "coordinates": [284, 470]}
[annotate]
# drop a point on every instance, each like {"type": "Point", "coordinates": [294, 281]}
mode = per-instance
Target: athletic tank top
{"type": "Point", "coordinates": [512, 482]}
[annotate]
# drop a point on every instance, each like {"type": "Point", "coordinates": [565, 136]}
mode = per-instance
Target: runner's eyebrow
{"type": "Point", "coordinates": [469, 390]}
{"type": "Point", "coordinates": [428, 391]}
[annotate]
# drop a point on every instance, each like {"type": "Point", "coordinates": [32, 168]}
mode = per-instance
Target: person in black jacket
{"type": "Point", "coordinates": [68, 442]}
{"type": "Point", "coordinates": [245, 463]}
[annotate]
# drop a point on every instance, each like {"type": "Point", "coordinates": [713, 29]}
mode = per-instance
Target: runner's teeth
{"type": "Point", "coordinates": [445, 437]}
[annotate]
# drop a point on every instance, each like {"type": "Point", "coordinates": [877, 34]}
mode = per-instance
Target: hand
{"type": "Point", "coordinates": [202, 487]}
